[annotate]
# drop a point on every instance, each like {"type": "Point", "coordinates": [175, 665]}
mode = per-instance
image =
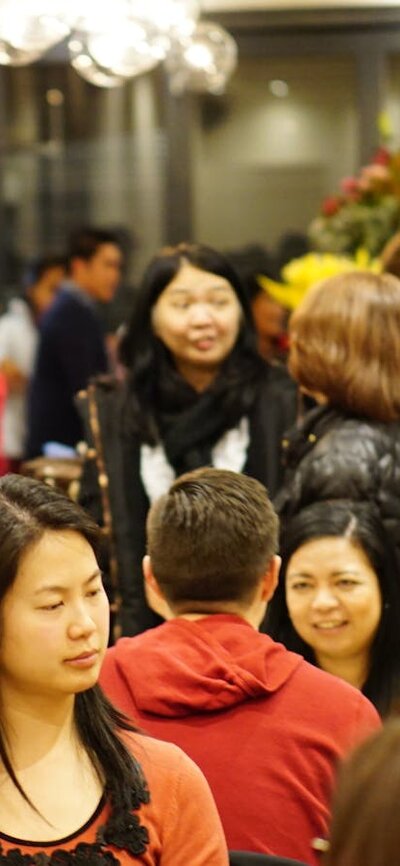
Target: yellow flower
{"type": "Point", "coordinates": [300, 274]}
{"type": "Point", "coordinates": [385, 125]}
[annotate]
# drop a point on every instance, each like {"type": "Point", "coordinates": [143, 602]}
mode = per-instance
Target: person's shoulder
{"type": "Point", "coordinates": [349, 435]}
{"type": "Point", "coordinates": [277, 372]}
{"type": "Point", "coordinates": [346, 425]}
{"type": "Point", "coordinates": [335, 700]}
{"type": "Point", "coordinates": [181, 816]}
{"type": "Point", "coordinates": [55, 313]}
{"type": "Point", "coordinates": [10, 322]}
{"type": "Point", "coordinates": [161, 762]}
{"type": "Point", "coordinates": [68, 306]}
{"type": "Point", "coordinates": [173, 779]}
{"type": "Point", "coordinates": [18, 332]}
{"type": "Point", "coordinates": [16, 312]}
{"type": "Point", "coordinates": [387, 435]}
{"type": "Point", "coordinates": [139, 742]}
{"type": "Point", "coordinates": [63, 298]}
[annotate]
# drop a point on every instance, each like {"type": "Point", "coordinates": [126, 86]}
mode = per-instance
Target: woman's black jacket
{"type": "Point", "coordinates": [331, 455]}
{"type": "Point", "coordinates": [113, 492]}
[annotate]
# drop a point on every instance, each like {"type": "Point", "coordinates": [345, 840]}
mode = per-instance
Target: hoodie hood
{"type": "Point", "coordinates": [185, 667]}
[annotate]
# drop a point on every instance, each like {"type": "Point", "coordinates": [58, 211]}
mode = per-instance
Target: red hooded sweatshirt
{"type": "Point", "coordinates": [266, 727]}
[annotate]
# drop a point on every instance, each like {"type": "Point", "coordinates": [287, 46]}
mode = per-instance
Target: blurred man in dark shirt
{"type": "Point", "coordinates": [71, 345]}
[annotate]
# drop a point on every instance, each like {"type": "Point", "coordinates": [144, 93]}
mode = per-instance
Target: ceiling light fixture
{"type": "Point", "coordinates": [112, 43]}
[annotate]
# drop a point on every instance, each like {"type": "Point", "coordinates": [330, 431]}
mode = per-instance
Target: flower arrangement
{"type": "Point", "coordinates": [350, 231]}
{"type": "Point", "coordinates": [366, 211]}
{"type": "Point", "coordinates": [300, 274]}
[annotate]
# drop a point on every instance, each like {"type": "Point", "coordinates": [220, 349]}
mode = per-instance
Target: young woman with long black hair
{"type": "Point", "coordinates": [78, 783]}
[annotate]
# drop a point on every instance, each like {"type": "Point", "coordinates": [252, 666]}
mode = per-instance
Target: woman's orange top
{"type": "Point", "coordinates": [181, 819]}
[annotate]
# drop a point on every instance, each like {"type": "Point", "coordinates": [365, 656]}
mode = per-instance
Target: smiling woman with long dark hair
{"type": "Point", "coordinates": [338, 598]}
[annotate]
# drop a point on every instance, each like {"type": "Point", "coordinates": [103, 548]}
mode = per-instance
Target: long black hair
{"type": "Point", "coordinates": [143, 354]}
{"type": "Point", "coordinates": [28, 509]}
{"type": "Point", "coordinates": [361, 524]}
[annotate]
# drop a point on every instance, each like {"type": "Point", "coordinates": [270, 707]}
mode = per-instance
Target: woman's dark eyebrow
{"type": "Point", "coordinates": [307, 574]}
{"type": "Point", "coordinates": [183, 289]}
{"type": "Point", "coordinates": [58, 588]}
{"type": "Point", "coordinates": [178, 289]}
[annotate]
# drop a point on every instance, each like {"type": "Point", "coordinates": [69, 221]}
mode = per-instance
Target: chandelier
{"type": "Point", "coordinates": [110, 43]}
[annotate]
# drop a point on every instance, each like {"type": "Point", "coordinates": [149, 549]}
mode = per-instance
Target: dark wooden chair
{"type": "Point", "coordinates": [249, 858]}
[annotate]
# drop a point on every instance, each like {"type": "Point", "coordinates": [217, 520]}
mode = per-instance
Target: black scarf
{"type": "Point", "coordinates": [190, 423]}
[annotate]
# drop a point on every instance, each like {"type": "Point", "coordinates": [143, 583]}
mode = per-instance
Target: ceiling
{"type": "Point", "coordinates": [281, 5]}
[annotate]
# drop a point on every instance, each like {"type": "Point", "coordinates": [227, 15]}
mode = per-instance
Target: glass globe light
{"type": "Point", "coordinates": [91, 16]}
{"type": "Point", "coordinates": [87, 67]}
{"type": "Point", "coordinates": [30, 28]}
{"type": "Point", "coordinates": [109, 59]}
{"type": "Point", "coordinates": [124, 51]}
{"type": "Point", "coordinates": [204, 62]}
{"type": "Point", "coordinates": [118, 44]}
{"type": "Point", "coordinates": [10, 56]}
{"type": "Point", "coordinates": [92, 73]}
{"type": "Point", "coordinates": [173, 19]}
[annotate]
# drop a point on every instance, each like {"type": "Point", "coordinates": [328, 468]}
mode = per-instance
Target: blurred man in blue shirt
{"type": "Point", "coordinates": [71, 345]}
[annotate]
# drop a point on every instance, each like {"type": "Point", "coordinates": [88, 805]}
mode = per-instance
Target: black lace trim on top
{"type": "Point", "coordinates": [99, 808]}
{"type": "Point", "coordinates": [84, 854]}
{"type": "Point", "coordinates": [123, 831]}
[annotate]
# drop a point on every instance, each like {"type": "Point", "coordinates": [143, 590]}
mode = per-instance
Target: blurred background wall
{"type": "Point", "coordinates": [303, 109]}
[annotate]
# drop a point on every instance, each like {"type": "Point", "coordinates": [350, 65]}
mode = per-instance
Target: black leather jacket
{"type": "Point", "coordinates": [334, 456]}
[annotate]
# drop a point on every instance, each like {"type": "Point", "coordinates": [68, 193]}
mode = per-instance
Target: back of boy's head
{"type": "Point", "coordinates": [211, 538]}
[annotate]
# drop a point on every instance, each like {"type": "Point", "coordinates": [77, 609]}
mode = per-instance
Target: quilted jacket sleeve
{"type": "Point", "coordinates": [357, 460]}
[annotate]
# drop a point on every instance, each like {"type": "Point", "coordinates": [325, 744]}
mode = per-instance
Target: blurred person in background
{"type": "Point", "coordinates": [269, 320]}
{"type": "Point", "coordinates": [71, 345]}
{"type": "Point", "coordinates": [365, 829]}
{"type": "Point", "coordinates": [18, 345]}
{"type": "Point", "coordinates": [197, 393]}
{"type": "Point", "coordinates": [338, 598]}
{"type": "Point", "coordinates": [269, 316]}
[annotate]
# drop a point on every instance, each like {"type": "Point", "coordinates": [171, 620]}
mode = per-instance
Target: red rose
{"type": "Point", "coordinates": [382, 156]}
{"type": "Point", "coordinates": [331, 205]}
{"type": "Point", "coordinates": [350, 185]}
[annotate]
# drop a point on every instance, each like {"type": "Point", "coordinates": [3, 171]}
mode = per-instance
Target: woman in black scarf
{"type": "Point", "coordinates": [196, 394]}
